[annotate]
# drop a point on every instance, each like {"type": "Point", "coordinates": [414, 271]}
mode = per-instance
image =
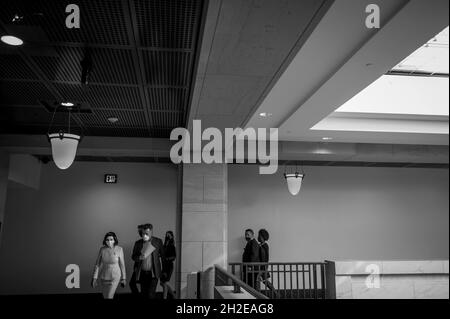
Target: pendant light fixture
{"type": "Point", "coordinates": [294, 181]}
{"type": "Point", "coordinates": [64, 144]}
{"type": "Point", "coordinates": [11, 40]}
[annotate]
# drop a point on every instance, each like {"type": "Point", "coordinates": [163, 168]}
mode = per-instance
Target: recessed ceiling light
{"type": "Point", "coordinates": [113, 120]}
{"type": "Point", "coordinates": [265, 114]}
{"type": "Point", "coordinates": [67, 104]}
{"type": "Point", "coordinates": [17, 18]}
{"type": "Point", "coordinates": [11, 40]}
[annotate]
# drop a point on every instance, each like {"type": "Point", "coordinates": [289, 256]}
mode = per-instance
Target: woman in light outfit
{"type": "Point", "coordinates": [110, 266]}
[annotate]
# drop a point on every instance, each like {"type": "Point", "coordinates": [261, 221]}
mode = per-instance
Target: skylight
{"type": "Point", "coordinates": [432, 57]}
{"type": "Point", "coordinates": [409, 95]}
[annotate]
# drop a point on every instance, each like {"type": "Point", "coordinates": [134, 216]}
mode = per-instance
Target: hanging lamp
{"type": "Point", "coordinates": [294, 181]}
{"type": "Point", "coordinates": [64, 144]}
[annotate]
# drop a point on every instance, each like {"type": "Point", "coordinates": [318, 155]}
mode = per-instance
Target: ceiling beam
{"type": "Point", "coordinates": [288, 151]}
{"type": "Point", "coordinates": [245, 48]}
{"type": "Point", "coordinates": [138, 61]}
{"type": "Point", "coordinates": [197, 46]}
{"type": "Point", "coordinates": [37, 106]}
{"type": "Point", "coordinates": [151, 86]}
{"type": "Point", "coordinates": [90, 146]}
{"type": "Point", "coordinates": [411, 26]}
{"type": "Point", "coordinates": [325, 6]}
{"type": "Point", "coordinates": [364, 152]}
{"type": "Point", "coordinates": [113, 46]}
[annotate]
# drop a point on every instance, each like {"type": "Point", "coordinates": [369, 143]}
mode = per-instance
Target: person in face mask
{"type": "Point", "coordinates": [148, 255]}
{"type": "Point", "coordinates": [109, 267]}
{"type": "Point", "coordinates": [251, 255]}
{"type": "Point", "coordinates": [133, 280]}
{"type": "Point", "coordinates": [168, 264]}
{"type": "Point", "coordinates": [264, 275]}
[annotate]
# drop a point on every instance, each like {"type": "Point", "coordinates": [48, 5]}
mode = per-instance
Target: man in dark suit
{"type": "Point", "coordinates": [148, 254]}
{"type": "Point", "coordinates": [133, 280]}
{"type": "Point", "coordinates": [251, 255]}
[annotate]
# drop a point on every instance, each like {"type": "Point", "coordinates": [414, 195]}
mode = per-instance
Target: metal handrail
{"type": "Point", "coordinates": [273, 263]}
{"type": "Point", "coordinates": [237, 283]}
{"type": "Point", "coordinates": [289, 280]}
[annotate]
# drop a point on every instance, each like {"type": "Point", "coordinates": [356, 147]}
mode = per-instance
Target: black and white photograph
{"type": "Point", "coordinates": [224, 158]}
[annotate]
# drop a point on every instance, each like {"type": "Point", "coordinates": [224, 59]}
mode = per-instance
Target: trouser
{"type": "Point", "coordinates": [149, 283]}
{"type": "Point", "coordinates": [249, 276]}
{"type": "Point", "coordinates": [133, 284]}
{"type": "Point", "coordinates": [168, 270]}
{"type": "Point", "coordinates": [109, 288]}
{"type": "Point", "coordinates": [167, 290]}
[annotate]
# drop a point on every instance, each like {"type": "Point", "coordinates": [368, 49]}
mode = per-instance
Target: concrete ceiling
{"type": "Point", "coordinates": [299, 60]}
{"type": "Point", "coordinates": [143, 56]}
{"type": "Point", "coordinates": [341, 58]}
{"type": "Point", "coordinates": [246, 46]}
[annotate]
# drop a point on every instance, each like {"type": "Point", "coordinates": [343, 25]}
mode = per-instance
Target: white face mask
{"type": "Point", "coordinates": [146, 237]}
{"type": "Point", "coordinates": [110, 243]}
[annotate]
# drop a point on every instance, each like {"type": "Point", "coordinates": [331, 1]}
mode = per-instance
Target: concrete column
{"type": "Point", "coordinates": [204, 223]}
{"type": "Point", "coordinates": [4, 171]}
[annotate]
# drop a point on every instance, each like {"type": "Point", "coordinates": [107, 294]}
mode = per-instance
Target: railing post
{"type": "Point", "coordinates": [330, 269]}
{"type": "Point", "coordinates": [237, 284]}
{"type": "Point", "coordinates": [322, 282]}
{"type": "Point", "coordinates": [237, 289]}
{"type": "Point", "coordinates": [307, 277]}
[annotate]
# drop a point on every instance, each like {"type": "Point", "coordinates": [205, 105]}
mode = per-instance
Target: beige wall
{"type": "Point", "coordinates": [343, 213]}
{"type": "Point", "coordinates": [65, 220]}
{"type": "Point", "coordinates": [25, 169]}
{"type": "Point", "coordinates": [402, 279]}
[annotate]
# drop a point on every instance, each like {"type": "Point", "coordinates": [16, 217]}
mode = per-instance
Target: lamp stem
{"type": "Point", "coordinates": [69, 121]}
{"type": "Point", "coordinates": [53, 119]}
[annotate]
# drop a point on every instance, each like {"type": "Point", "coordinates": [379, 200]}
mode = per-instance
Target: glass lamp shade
{"type": "Point", "coordinates": [294, 182]}
{"type": "Point", "coordinates": [64, 148]}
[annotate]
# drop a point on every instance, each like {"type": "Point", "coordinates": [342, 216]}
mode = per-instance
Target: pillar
{"type": "Point", "coordinates": [204, 223]}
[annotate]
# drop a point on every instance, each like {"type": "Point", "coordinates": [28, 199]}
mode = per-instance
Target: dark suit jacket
{"type": "Point", "coordinates": [251, 252]}
{"type": "Point", "coordinates": [264, 253]}
{"type": "Point", "coordinates": [157, 256]}
{"type": "Point", "coordinates": [264, 258]}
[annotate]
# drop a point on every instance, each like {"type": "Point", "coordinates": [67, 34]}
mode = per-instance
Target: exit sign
{"type": "Point", "coordinates": [110, 178]}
